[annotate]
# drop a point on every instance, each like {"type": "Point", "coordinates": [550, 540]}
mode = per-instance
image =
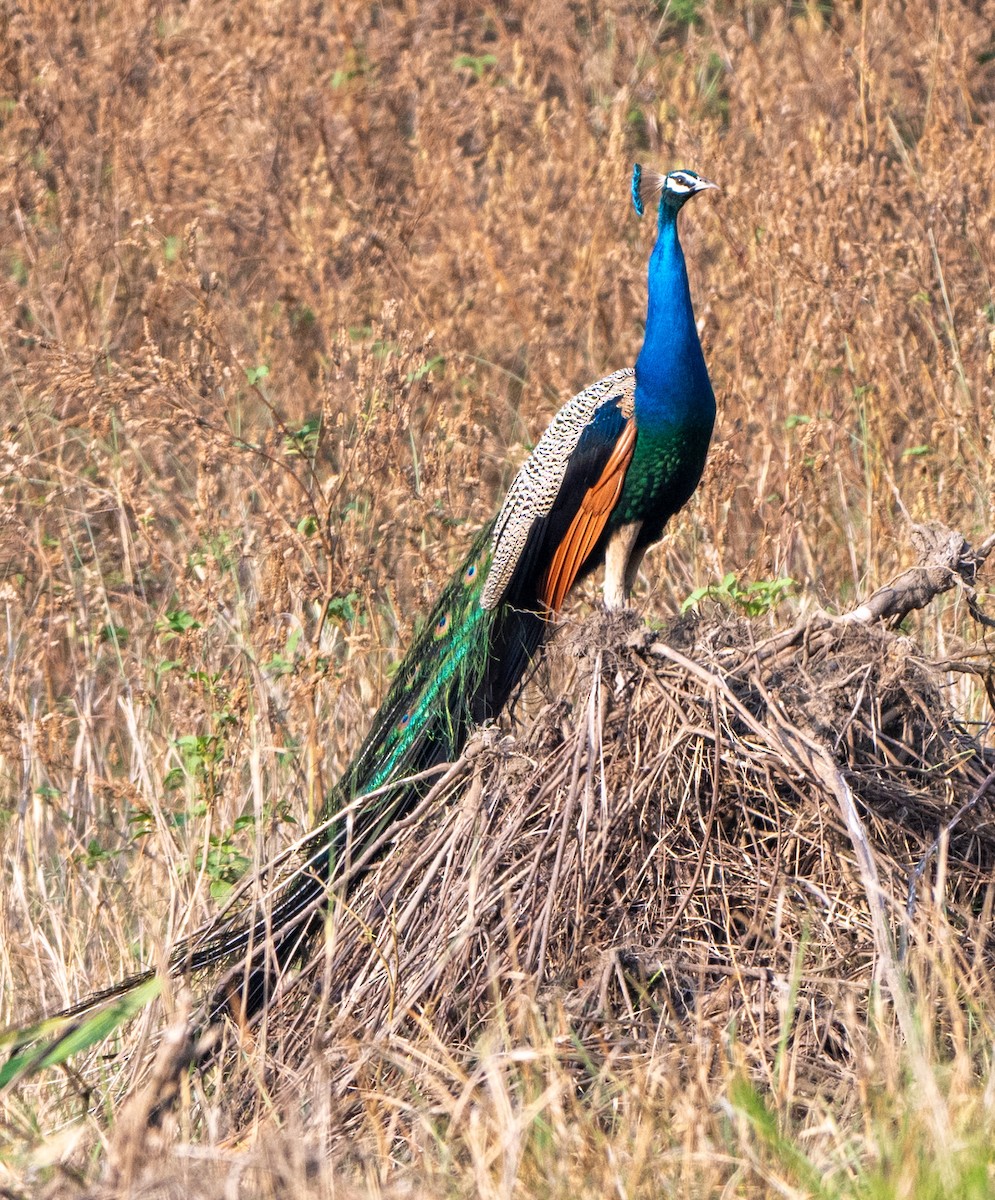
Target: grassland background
{"type": "Point", "coordinates": [287, 291]}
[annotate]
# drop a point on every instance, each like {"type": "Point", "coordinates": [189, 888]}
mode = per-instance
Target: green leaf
{"type": "Point", "coordinates": [745, 1098]}
{"type": "Point", "coordinates": [425, 369]}
{"type": "Point", "coordinates": [303, 441]}
{"type": "Point", "coordinates": [176, 622]}
{"type": "Point", "coordinates": [63, 1036]}
{"type": "Point", "coordinates": [477, 63]}
{"type": "Point", "coordinates": [755, 599]}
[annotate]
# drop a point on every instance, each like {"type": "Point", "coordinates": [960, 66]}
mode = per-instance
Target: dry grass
{"type": "Point", "coordinates": [285, 295]}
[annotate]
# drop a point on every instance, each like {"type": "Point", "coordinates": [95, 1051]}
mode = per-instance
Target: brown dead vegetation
{"type": "Point", "coordinates": [790, 835]}
{"type": "Point", "coordinates": [713, 811]}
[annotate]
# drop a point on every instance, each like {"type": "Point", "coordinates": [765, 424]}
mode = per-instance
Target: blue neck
{"type": "Point", "coordinates": [671, 378]}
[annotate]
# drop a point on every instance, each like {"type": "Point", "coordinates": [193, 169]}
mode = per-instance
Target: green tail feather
{"type": "Point", "coordinates": [460, 670]}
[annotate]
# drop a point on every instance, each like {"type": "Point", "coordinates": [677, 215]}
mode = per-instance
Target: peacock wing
{"type": "Point", "coordinates": [562, 498]}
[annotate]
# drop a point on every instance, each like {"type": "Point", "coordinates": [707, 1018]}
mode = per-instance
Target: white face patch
{"type": "Point", "coordinates": [679, 184]}
{"type": "Point", "coordinates": [649, 187]}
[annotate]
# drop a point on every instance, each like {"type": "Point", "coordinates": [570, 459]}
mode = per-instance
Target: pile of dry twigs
{"type": "Point", "coordinates": [716, 819]}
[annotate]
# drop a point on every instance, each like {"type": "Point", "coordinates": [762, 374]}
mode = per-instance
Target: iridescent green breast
{"type": "Point", "coordinates": [666, 466]}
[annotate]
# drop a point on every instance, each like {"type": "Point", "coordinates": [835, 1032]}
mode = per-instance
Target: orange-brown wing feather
{"type": "Point", "coordinates": [588, 523]}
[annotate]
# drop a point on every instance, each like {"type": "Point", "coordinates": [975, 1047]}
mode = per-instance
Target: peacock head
{"type": "Point", "coordinates": [673, 189]}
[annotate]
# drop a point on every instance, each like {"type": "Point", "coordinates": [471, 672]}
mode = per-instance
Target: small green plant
{"type": "Point", "coordinates": [116, 634]}
{"type": "Point", "coordinates": [301, 317]}
{"type": "Point", "coordinates": [175, 623]}
{"type": "Point", "coordinates": [283, 664]}
{"type": "Point", "coordinates": [437, 361]}
{"type": "Point", "coordinates": [682, 12]}
{"type": "Point", "coordinates": [95, 854]}
{"type": "Point", "coordinates": [355, 65]}
{"type": "Point", "coordinates": [344, 608]}
{"type": "Point", "coordinates": [753, 1108]}
{"type": "Point", "coordinates": [477, 63]}
{"type": "Point", "coordinates": [713, 86]}
{"type": "Point", "coordinates": [223, 864]}
{"type": "Point", "coordinates": [220, 547]}
{"type": "Point", "coordinates": [303, 442]}
{"type": "Point", "coordinates": [164, 667]}
{"type": "Point", "coordinates": [198, 752]}
{"type": "Point", "coordinates": [755, 599]}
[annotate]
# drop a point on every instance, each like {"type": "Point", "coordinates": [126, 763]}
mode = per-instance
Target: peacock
{"type": "Point", "coordinates": [617, 461]}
